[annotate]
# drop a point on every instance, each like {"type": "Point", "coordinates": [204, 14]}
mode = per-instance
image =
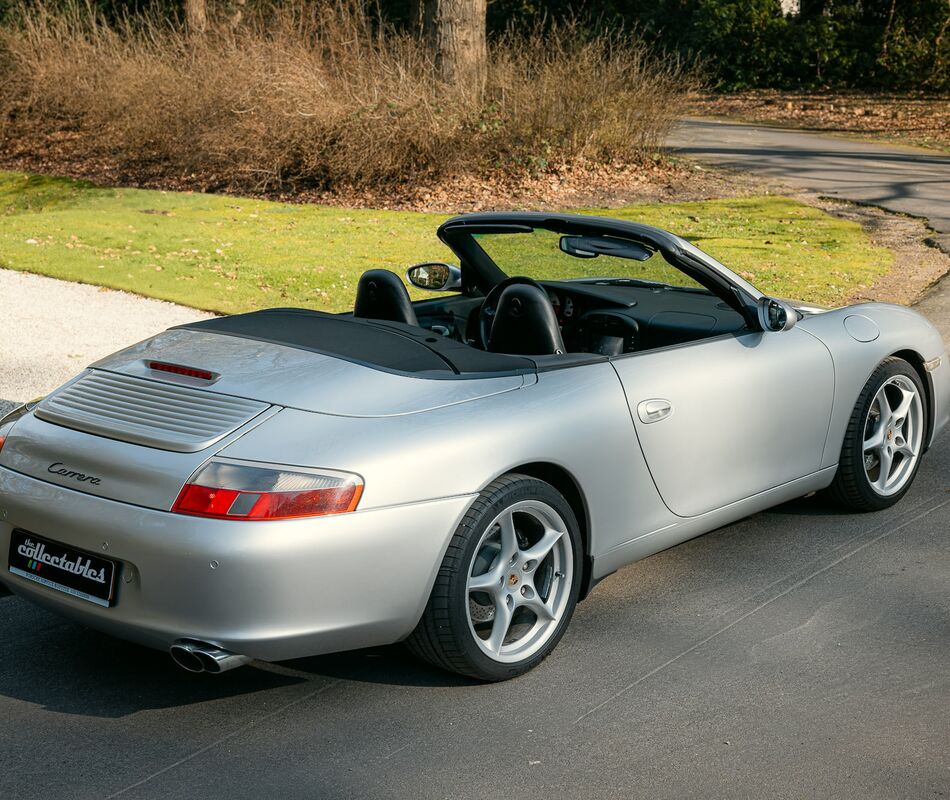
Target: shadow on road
{"type": "Point", "coordinates": [767, 154]}
{"type": "Point", "coordinates": [386, 666]}
{"type": "Point", "coordinates": [818, 505]}
{"type": "Point", "coordinates": [910, 182]}
{"type": "Point", "coordinates": [71, 670]}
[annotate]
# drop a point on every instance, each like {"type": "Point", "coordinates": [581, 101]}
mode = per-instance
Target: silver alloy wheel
{"type": "Point", "coordinates": [519, 581]}
{"type": "Point", "coordinates": [893, 435]}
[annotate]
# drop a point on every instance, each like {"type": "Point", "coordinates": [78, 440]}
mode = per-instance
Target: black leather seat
{"type": "Point", "coordinates": [381, 294]}
{"type": "Point", "coordinates": [525, 324]}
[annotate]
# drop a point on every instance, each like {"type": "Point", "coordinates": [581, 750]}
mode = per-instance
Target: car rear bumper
{"type": "Point", "coordinates": [269, 590]}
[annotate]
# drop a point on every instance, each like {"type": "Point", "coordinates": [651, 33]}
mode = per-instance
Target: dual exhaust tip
{"type": "Point", "coordinates": [193, 655]}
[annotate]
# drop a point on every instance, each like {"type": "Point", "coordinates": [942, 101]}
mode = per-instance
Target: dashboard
{"type": "Point", "coordinates": [611, 319]}
{"type": "Point", "coordinates": [563, 304]}
{"type": "Point", "coordinates": [603, 318]}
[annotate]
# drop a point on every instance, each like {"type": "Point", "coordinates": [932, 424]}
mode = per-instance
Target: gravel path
{"type": "Point", "coordinates": [52, 329]}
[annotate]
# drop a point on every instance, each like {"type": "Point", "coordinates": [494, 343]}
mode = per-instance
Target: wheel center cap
{"type": "Point", "coordinates": [890, 435]}
{"type": "Point", "coordinates": [512, 580]}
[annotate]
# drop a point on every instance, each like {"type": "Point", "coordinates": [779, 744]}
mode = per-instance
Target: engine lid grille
{"type": "Point", "coordinates": [147, 412]}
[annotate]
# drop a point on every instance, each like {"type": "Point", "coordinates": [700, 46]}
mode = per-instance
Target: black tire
{"type": "Point", "coordinates": [852, 487]}
{"type": "Point", "coordinates": [443, 636]}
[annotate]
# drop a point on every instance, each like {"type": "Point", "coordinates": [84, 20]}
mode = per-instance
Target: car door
{"type": "Point", "coordinates": [724, 418]}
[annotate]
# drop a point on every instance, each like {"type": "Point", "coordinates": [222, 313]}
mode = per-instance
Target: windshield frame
{"type": "Point", "coordinates": [481, 272]}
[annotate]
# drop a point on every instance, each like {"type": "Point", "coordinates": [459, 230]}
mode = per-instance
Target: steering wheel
{"type": "Point", "coordinates": [486, 313]}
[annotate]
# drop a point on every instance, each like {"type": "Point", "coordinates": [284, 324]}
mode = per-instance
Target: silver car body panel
{"type": "Point", "coordinates": [754, 419]}
{"type": "Point", "coordinates": [270, 590]}
{"type": "Point", "coordinates": [285, 376]}
{"type": "Point", "coordinates": [123, 471]}
{"type": "Point", "coordinates": [732, 415]}
{"type": "Point", "coordinates": [679, 529]}
{"type": "Point", "coordinates": [151, 412]}
{"type": "Point", "coordinates": [902, 331]}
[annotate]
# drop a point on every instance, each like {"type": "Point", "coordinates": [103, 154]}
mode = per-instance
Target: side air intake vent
{"type": "Point", "coordinates": [151, 413]}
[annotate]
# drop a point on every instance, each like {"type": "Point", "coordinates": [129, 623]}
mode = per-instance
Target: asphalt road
{"type": "Point", "coordinates": [798, 653]}
{"type": "Point", "coordinates": [909, 180]}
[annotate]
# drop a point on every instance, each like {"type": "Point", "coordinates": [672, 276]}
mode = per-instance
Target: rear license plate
{"type": "Point", "coordinates": [62, 568]}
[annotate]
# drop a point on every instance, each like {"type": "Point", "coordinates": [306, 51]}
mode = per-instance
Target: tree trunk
{"type": "Point", "coordinates": [886, 38]}
{"type": "Point", "coordinates": [808, 9]}
{"type": "Point", "coordinates": [196, 16]}
{"type": "Point", "coordinates": [455, 31]}
{"type": "Point", "coordinates": [417, 17]}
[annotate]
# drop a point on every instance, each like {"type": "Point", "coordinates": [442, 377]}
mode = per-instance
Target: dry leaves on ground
{"type": "Point", "coordinates": [583, 185]}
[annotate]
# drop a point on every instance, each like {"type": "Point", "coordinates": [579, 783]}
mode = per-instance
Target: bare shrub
{"type": "Point", "coordinates": [313, 94]}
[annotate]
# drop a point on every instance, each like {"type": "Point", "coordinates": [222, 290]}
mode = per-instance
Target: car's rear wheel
{"type": "Point", "coordinates": [884, 440]}
{"type": "Point", "coordinates": [508, 584]}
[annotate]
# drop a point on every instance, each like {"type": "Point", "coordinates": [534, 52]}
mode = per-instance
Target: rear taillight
{"type": "Point", "coordinates": [7, 421]}
{"type": "Point", "coordinates": [244, 490]}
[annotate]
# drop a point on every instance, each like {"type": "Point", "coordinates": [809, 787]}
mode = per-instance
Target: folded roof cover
{"type": "Point", "coordinates": [389, 346]}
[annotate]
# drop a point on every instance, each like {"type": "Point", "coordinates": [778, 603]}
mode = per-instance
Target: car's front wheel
{"type": "Point", "coordinates": [508, 584]}
{"type": "Point", "coordinates": [884, 439]}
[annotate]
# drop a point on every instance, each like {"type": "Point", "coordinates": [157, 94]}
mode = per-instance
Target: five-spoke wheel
{"type": "Point", "coordinates": [893, 433]}
{"type": "Point", "coordinates": [508, 584]}
{"type": "Point", "coordinates": [520, 581]}
{"type": "Point", "coordinates": [884, 439]}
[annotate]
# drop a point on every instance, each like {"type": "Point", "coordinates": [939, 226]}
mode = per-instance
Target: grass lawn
{"type": "Point", "coordinates": [231, 254]}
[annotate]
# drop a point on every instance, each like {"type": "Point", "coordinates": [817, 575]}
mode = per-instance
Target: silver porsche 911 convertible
{"type": "Point", "coordinates": [456, 472]}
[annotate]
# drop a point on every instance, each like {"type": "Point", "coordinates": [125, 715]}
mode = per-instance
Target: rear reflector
{"type": "Point", "coordinates": [177, 369]}
{"type": "Point", "coordinates": [243, 490]}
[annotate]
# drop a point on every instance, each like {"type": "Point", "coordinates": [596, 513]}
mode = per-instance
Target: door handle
{"type": "Point", "coordinates": [654, 410]}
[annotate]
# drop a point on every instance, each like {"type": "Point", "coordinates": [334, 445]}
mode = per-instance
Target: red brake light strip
{"type": "Point", "coordinates": [177, 369]}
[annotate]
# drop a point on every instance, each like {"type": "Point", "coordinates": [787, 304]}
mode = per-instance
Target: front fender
{"type": "Point", "coordinates": [900, 330]}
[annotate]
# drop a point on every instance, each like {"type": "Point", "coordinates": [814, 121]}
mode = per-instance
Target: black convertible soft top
{"type": "Point", "coordinates": [388, 346]}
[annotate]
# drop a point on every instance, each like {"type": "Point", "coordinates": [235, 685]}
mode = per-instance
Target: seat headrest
{"type": "Point", "coordinates": [381, 294]}
{"type": "Point", "coordinates": [525, 323]}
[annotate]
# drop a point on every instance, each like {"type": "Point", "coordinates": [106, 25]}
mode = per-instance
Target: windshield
{"type": "Point", "coordinates": [549, 256]}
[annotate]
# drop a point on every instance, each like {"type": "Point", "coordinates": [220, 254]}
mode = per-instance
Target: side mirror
{"type": "Point", "coordinates": [435, 276]}
{"type": "Point", "coordinates": [774, 315]}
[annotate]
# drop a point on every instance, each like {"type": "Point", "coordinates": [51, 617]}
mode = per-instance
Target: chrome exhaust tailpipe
{"type": "Point", "coordinates": [195, 656]}
{"type": "Point", "coordinates": [216, 660]}
{"type": "Point", "coordinates": [184, 655]}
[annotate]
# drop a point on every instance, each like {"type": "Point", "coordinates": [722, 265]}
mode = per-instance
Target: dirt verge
{"type": "Point", "coordinates": [917, 266]}
{"type": "Point", "coordinates": [661, 180]}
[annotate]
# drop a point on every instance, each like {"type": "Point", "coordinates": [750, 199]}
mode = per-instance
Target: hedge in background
{"type": "Point", "coordinates": [861, 44]}
{"type": "Point", "coordinates": [316, 93]}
